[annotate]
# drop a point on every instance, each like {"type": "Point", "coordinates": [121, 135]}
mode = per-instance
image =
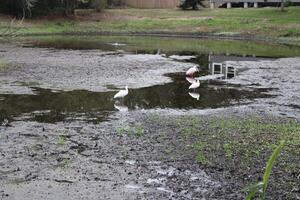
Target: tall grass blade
{"type": "Point", "coordinates": [261, 187]}
{"type": "Point", "coordinates": [269, 166]}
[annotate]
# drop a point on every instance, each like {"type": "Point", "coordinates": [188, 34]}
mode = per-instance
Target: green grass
{"type": "Point", "coordinates": [259, 22]}
{"type": "Point", "coordinates": [241, 146]}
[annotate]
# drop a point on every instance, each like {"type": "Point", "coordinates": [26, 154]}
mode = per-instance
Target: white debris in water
{"type": "Point", "coordinates": [164, 190]}
{"type": "Point", "coordinates": [133, 187]}
{"type": "Point", "coordinates": [155, 162]}
{"type": "Point", "coordinates": [130, 162]}
{"type": "Point", "coordinates": [117, 44]}
{"type": "Point", "coordinates": [158, 181]}
{"type": "Point", "coordinates": [193, 178]}
{"type": "Point", "coordinates": [168, 172]}
{"type": "Point", "coordinates": [41, 111]}
{"type": "Point", "coordinates": [177, 57]}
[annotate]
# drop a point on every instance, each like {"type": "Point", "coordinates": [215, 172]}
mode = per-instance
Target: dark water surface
{"type": "Point", "coordinates": [48, 106]}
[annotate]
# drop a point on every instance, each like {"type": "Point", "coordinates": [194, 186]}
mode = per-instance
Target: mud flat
{"type": "Point", "coordinates": [171, 149]}
{"type": "Point", "coordinates": [146, 155]}
{"type": "Point", "coordinates": [63, 69]}
{"type": "Point", "coordinates": [280, 75]}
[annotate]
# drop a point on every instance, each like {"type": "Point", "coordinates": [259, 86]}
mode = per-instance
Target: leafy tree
{"type": "Point", "coordinates": [186, 4]}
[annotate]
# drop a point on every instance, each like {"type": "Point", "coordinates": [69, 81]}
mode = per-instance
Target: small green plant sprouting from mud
{"type": "Point", "coordinates": [61, 140]}
{"type": "Point", "coordinates": [200, 157]}
{"type": "Point", "coordinates": [66, 163]}
{"type": "Point", "coordinates": [139, 130]}
{"type": "Point", "coordinates": [3, 65]}
{"type": "Point", "coordinates": [122, 129]}
{"type": "Point", "coordinates": [259, 189]}
{"type": "Point", "coordinates": [154, 116]}
{"type": "Point", "coordinates": [136, 129]}
{"type": "Point", "coordinates": [228, 150]}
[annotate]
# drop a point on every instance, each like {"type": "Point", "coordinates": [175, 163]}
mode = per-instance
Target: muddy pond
{"type": "Point", "coordinates": [53, 85]}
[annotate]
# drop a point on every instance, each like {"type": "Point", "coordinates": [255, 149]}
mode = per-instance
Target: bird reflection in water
{"type": "Point", "coordinates": [195, 95]}
{"type": "Point", "coordinates": [121, 108]}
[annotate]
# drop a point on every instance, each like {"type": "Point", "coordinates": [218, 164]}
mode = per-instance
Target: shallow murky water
{"type": "Point", "coordinates": [76, 78]}
{"type": "Point", "coordinates": [49, 106]}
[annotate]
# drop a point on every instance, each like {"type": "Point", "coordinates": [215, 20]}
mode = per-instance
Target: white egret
{"type": "Point", "coordinates": [121, 93]}
{"type": "Point", "coordinates": [192, 71]}
{"type": "Point", "coordinates": [117, 44]}
{"type": "Point", "coordinates": [195, 85]}
{"type": "Point", "coordinates": [195, 95]}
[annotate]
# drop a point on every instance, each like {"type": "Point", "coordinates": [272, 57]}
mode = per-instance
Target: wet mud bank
{"type": "Point", "coordinates": [139, 154]}
{"type": "Point", "coordinates": [98, 161]}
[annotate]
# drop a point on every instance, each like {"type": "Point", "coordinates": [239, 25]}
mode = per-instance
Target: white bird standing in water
{"type": "Point", "coordinates": [195, 85]}
{"type": "Point", "coordinates": [192, 71]}
{"type": "Point", "coordinates": [121, 93]}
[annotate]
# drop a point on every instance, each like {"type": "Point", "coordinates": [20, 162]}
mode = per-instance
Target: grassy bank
{"type": "Point", "coordinates": [266, 22]}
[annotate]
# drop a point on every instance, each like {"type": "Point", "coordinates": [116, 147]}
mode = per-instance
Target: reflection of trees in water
{"type": "Point", "coordinates": [58, 104]}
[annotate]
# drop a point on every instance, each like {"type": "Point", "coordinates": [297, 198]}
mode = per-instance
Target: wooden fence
{"type": "Point", "coordinates": [152, 3]}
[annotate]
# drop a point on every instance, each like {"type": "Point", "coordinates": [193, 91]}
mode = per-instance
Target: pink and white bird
{"type": "Point", "coordinates": [121, 93]}
{"type": "Point", "coordinates": [195, 85]}
{"type": "Point", "coordinates": [192, 71]}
